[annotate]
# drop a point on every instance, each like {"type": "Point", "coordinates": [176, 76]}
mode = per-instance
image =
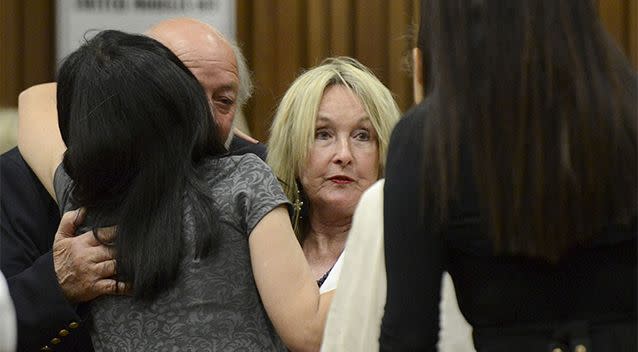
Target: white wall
{"type": "Point", "coordinates": [8, 129]}
{"type": "Point", "coordinates": [75, 17]}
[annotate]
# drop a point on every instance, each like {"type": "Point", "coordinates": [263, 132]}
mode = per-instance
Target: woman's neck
{"type": "Point", "coordinates": [324, 241]}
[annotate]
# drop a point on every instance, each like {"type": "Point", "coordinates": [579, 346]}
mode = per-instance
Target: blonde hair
{"type": "Point", "coordinates": [293, 128]}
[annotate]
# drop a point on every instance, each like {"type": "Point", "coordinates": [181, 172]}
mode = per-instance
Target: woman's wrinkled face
{"type": "Point", "coordinates": [344, 158]}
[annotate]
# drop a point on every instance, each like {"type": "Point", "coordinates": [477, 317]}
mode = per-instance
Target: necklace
{"type": "Point", "coordinates": [324, 277]}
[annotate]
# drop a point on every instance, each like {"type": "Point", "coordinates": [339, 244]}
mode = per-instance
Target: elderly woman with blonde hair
{"type": "Point", "coordinates": [328, 144]}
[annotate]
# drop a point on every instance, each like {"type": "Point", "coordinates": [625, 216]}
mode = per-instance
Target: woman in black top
{"type": "Point", "coordinates": [517, 175]}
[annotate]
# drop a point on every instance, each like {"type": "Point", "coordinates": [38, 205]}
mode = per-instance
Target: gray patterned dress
{"type": "Point", "coordinates": [214, 305]}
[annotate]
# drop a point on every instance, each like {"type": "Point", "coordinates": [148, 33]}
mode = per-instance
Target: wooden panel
{"type": "Point", "coordinates": [341, 27]}
{"type": "Point", "coordinates": [632, 34]}
{"type": "Point", "coordinates": [371, 35]}
{"type": "Point", "coordinates": [318, 42]}
{"type": "Point", "coordinates": [26, 47]}
{"type": "Point", "coordinates": [244, 22]}
{"type": "Point", "coordinates": [416, 6]}
{"type": "Point", "coordinates": [612, 13]}
{"type": "Point", "coordinates": [10, 52]}
{"type": "Point", "coordinates": [38, 48]}
{"type": "Point", "coordinates": [290, 45]}
{"type": "Point", "coordinates": [264, 66]}
{"type": "Point", "coordinates": [286, 36]}
{"type": "Point", "coordinates": [399, 49]}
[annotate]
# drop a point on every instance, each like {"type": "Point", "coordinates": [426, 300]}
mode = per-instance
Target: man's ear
{"type": "Point", "coordinates": [417, 75]}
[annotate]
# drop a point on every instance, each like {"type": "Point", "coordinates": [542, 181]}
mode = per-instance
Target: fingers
{"type": "Point", "coordinates": [106, 268]}
{"type": "Point", "coordinates": [99, 264]}
{"type": "Point", "coordinates": [106, 235]}
{"type": "Point", "coordinates": [244, 136]}
{"type": "Point", "coordinates": [111, 287]}
{"type": "Point", "coordinates": [100, 254]}
{"type": "Point", "coordinates": [105, 282]}
{"type": "Point", "coordinates": [85, 268]}
{"type": "Point", "coordinates": [124, 288]}
{"type": "Point", "coordinates": [93, 250]}
{"type": "Point", "coordinates": [68, 223]}
{"type": "Point", "coordinates": [79, 217]}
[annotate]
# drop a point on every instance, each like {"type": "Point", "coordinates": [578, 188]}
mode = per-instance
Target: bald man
{"type": "Point", "coordinates": [50, 272]}
{"type": "Point", "coordinates": [219, 67]}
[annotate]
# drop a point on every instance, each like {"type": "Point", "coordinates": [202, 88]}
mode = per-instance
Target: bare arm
{"type": "Point", "coordinates": [286, 286]}
{"type": "Point", "coordinates": [39, 137]}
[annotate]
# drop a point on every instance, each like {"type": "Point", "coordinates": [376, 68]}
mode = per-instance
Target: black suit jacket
{"type": "Point", "coordinates": [240, 146]}
{"type": "Point", "coordinates": [29, 219]}
{"type": "Point", "coordinates": [28, 222]}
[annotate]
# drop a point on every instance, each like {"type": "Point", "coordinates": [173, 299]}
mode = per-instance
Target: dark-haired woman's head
{"type": "Point", "coordinates": [124, 101]}
{"type": "Point", "coordinates": [136, 124]}
{"type": "Point", "coordinates": [546, 104]}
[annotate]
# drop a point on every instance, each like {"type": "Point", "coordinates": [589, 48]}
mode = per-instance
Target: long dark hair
{"type": "Point", "coordinates": [137, 126]}
{"type": "Point", "coordinates": [546, 104]}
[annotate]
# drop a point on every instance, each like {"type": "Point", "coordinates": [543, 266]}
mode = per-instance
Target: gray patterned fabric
{"type": "Point", "coordinates": [215, 305]}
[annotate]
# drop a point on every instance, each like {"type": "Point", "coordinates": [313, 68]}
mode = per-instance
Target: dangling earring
{"type": "Point", "coordinates": [297, 206]}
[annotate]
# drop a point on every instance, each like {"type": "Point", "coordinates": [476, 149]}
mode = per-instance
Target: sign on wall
{"type": "Point", "coordinates": [76, 19]}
